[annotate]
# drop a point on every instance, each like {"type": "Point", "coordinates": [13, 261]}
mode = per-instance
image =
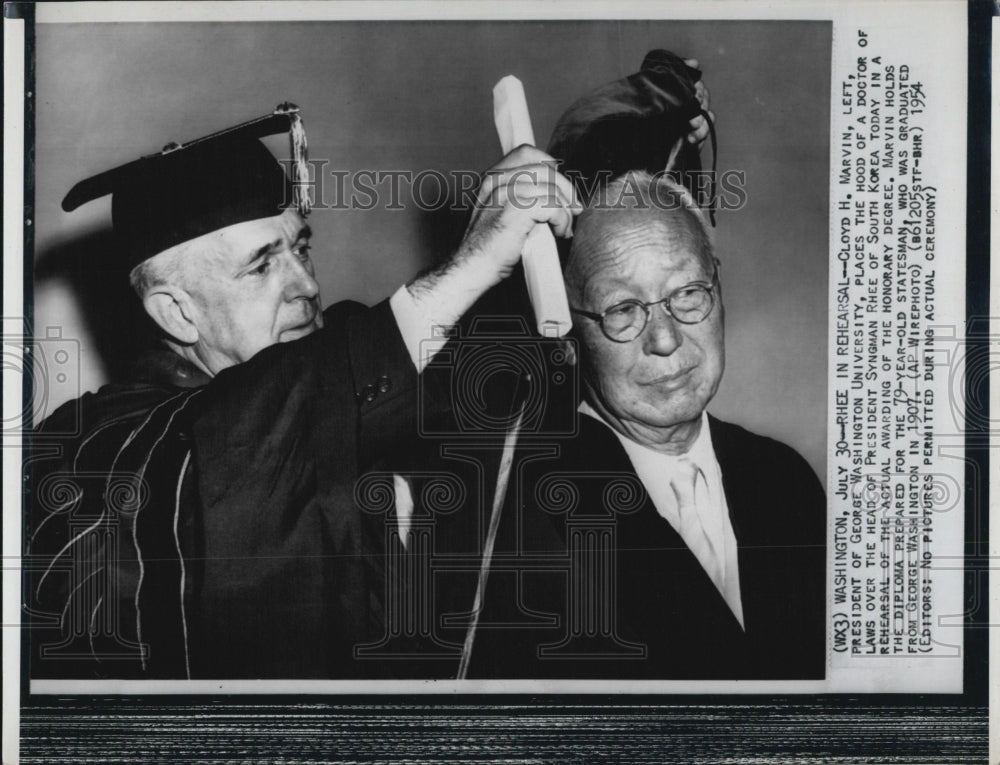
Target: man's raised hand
{"type": "Point", "coordinates": [519, 192]}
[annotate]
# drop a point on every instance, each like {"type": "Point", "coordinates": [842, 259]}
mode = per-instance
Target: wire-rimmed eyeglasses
{"type": "Point", "coordinates": [625, 321]}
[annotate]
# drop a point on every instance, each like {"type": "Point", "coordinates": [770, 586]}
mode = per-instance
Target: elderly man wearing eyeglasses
{"type": "Point", "coordinates": [659, 542]}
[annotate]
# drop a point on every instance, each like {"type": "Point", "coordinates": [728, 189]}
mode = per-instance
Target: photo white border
{"type": "Point", "coordinates": [13, 310]}
{"type": "Point", "coordinates": [517, 10]}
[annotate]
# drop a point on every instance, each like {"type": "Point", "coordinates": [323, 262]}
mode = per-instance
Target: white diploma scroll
{"type": "Point", "coordinates": [540, 257]}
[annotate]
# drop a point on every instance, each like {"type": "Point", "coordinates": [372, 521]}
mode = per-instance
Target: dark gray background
{"type": "Point", "coordinates": [398, 96]}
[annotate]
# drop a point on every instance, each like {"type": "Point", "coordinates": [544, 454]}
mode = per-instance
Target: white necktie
{"type": "Point", "coordinates": [692, 523]}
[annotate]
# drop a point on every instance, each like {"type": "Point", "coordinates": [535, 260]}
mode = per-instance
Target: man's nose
{"type": "Point", "coordinates": [299, 279]}
{"type": "Point", "coordinates": [663, 334]}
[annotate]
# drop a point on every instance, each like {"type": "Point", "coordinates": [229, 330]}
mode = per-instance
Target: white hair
{"type": "Point", "coordinates": [164, 268]}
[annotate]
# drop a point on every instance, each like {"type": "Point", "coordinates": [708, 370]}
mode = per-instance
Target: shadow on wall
{"type": "Point", "coordinates": [113, 317]}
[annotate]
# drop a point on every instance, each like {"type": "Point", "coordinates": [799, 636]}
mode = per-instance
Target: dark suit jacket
{"type": "Point", "coordinates": [630, 600]}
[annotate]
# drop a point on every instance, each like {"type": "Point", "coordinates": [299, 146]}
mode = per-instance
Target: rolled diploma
{"type": "Point", "coordinates": [540, 256]}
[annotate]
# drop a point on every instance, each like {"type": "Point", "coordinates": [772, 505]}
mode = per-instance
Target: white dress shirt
{"type": "Point", "coordinates": [421, 334]}
{"type": "Point", "coordinates": [657, 471]}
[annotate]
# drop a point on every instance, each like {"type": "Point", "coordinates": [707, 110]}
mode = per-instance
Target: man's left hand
{"type": "Point", "coordinates": [699, 125]}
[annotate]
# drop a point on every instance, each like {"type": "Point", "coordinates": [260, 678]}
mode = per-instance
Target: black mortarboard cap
{"type": "Point", "coordinates": [187, 190]}
{"type": "Point", "coordinates": [640, 122]}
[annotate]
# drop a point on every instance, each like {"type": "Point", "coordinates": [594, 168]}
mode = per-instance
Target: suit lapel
{"type": "Point", "coordinates": [604, 452]}
{"type": "Point", "coordinates": [740, 482]}
{"type": "Point", "coordinates": [734, 479]}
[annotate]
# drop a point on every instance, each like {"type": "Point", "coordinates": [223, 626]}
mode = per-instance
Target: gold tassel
{"type": "Point", "coordinates": [300, 157]}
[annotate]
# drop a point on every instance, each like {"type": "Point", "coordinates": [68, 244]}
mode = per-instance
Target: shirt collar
{"type": "Point", "coordinates": [161, 366]}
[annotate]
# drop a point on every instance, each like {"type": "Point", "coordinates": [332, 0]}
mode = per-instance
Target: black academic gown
{"type": "Point", "coordinates": [589, 581]}
{"type": "Point", "coordinates": [179, 527]}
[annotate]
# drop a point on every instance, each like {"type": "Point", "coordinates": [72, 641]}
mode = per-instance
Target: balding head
{"type": "Point", "coordinates": [636, 200]}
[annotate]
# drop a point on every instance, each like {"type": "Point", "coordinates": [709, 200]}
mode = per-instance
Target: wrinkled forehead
{"type": "Point", "coordinates": [617, 241]}
{"type": "Point", "coordinates": [254, 234]}
{"type": "Point", "coordinates": [233, 244]}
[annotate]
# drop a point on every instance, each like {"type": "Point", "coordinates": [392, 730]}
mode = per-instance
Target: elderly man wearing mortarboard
{"type": "Point", "coordinates": [696, 549]}
{"type": "Point", "coordinates": [202, 523]}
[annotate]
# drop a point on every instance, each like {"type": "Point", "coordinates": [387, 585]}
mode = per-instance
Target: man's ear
{"type": "Point", "coordinates": [170, 308]}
